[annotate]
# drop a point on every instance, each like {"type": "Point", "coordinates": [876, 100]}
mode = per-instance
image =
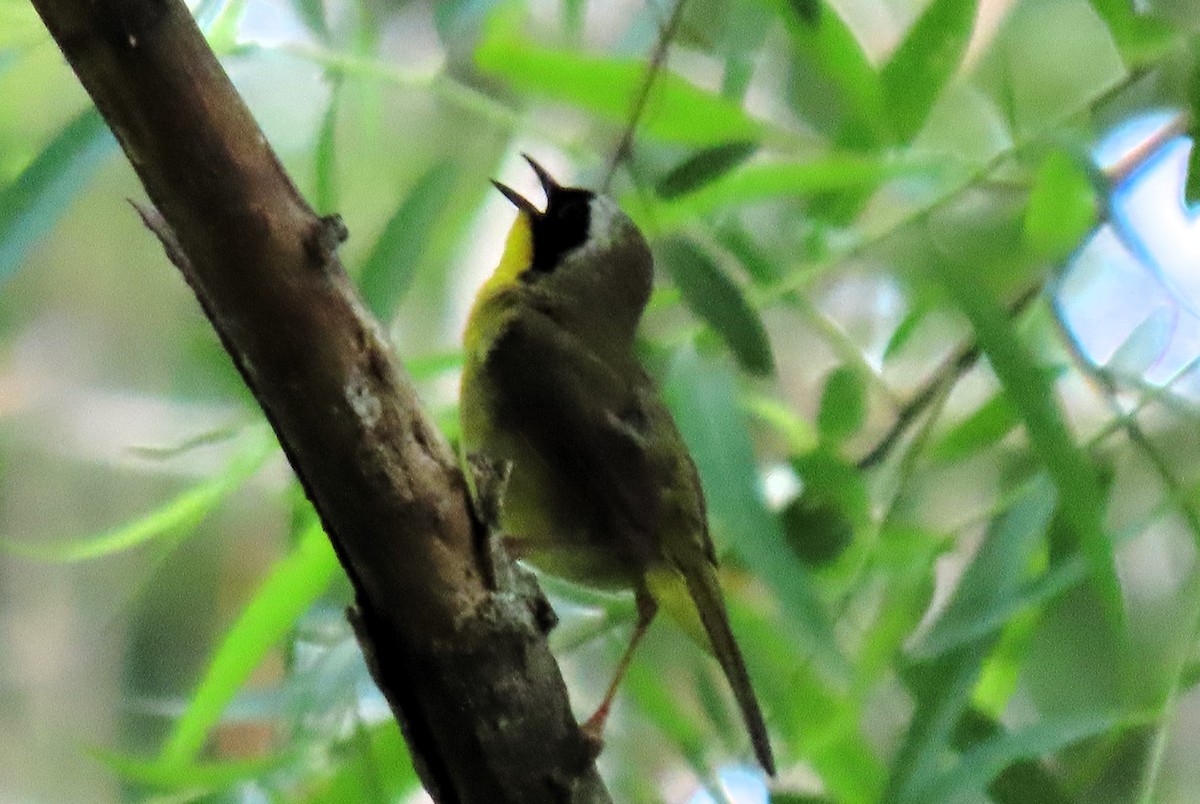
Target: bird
{"type": "Point", "coordinates": [600, 487]}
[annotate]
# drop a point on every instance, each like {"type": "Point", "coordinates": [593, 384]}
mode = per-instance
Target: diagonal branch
{"type": "Point", "coordinates": [464, 665]}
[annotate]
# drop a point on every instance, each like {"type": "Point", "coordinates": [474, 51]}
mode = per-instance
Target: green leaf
{"type": "Point", "coordinates": [923, 63]}
{"type": "Point", "coordinates": [1141, 36]}
{"type": "Point", "coordinates": [1024, 781]}
{"type": "Point", "coordinates": [193, 777]}
{"type": "Point", "coordinates": [1062, 207]}
{"type": "Point", "coordinates": [676, 110]}
{"type": "Point", "coordinates": [312, 13]}
{"type": "Point", "coordinates": [843, 405]}
{"type": "Point", "coordinates": [990, 422]}
{"type": "Point", "coordinates": [19, 27]}
{"type": "Point", "coordinates": [325, 155]}
{"type": "Point", "coordinates": [800, 436]}
{"type": "Point", "coordinates": [703, 167]}
{"type": "Point", "coordinates": [374, 766]}
{"type": "Point", "coordinates": [717, 300]}
{"type": "Point", "coordinates": [1078, 662]}
{"type": "Point", "coordinates": [834, 82]}
{"type": "Point", "coordinates": [829, 480]}
{"type": "Point", "coordinates": [1042, 78]}
{"type": "Point", "coordinates": [942, 686]}
{"type": "Point", "coordinates": [992, 583]}
{"type": "Point", "coordinates": [177, 516]}
{"type": "Point", "coordinates": [389, 270]}
{"type": "Point", "coordinates": [222, 31]}
{"type": "Point", "coordinates": [702, 394]}
{"type": "Point", "coordinates": [818, 531]}
{"type": "Point", "coordinates": [427, 367]}
{"type": "Point", "coordinates": [833, 172]}
{"type": "Point", "coordinates": [1031, 392]}
{"type": "Point", "coordinates": [34, 201]}
{"type": "Point", "coordinates": [760, 268]}
{"type": "Point", "coordinates": [904, 331]}
{"type": "Point", "coordinates": [294, 583]}
{"type": "Point", "coordinates": [906, 557]}
{"type": "Point", "coordinates": [975, 769]}
{"type": "Point", "coordinates": [778, 797]}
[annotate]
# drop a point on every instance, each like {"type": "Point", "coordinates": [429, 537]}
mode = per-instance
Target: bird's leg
{"type": "Point", "coordinates": [647, 607]}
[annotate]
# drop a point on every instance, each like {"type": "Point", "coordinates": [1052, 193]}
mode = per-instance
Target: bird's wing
{"type": "Point", "coordinates": [587, 421]}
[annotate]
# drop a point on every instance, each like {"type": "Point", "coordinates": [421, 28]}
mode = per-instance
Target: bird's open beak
{"type": "Point", "coordinates": [547, 181]}
{"type": "Point", "coordinates": [521, 202]}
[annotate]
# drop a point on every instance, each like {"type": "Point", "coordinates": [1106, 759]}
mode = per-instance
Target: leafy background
{"type": "Point", "coordinates": [856, 208]}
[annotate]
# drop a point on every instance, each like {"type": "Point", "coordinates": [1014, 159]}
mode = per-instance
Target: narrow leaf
{"type": "Point", "coordinates": [312, 12]}
{"type": "Point", "coordinates": [1024, 781]}
{"type": "Point", "coordinates": [942, 686]}
{"type": "Point", "coordinates": [923, 63]}
{"type": "Point", "coordinates": [758, 266]}
{"type": "Point", "coordinates": [720, 303]}
{"type": "Point", "coordinates": [1031, 392]}
{"type": "Point", "coordinates": [288, 591]}
{"type": "Point", "coordinates": [952, 633]}
{"type": "Point", "coordinates": [703, 167]}
{"type": "Point", "coordinates": [767, 181]}
{"type": "Point", "coordinates": [378, 769]}
{"type": "Point", "coordinates": [1062, 207]}
{"type": "Point", "coordinates": [34, 201]}
{"type": "Point", "coordinates": [676, 110]}
{"type": "Point", "coordinates": [389, 270]}
{"type": "Point", "coordinates": [325, 154]}
{"type": "Point", "coordinates": [843, 405]}
{"type": "Point", "coordinates": [835, 82]}
{"type": "Point", "coordinates": [191, 777]}
{"type": "Point", "coordinates": [996, 575]}
{"type": "Point", "coordinates": [990, 422]}
{"type": "Point", "coordinates": [1141, 36]}
{"type": "Point", "coordinates": [799, 435]}
{"type": "Point", "coordinates": [1042, 79]}
{"type": "Point", "coordinates": [976, 768]}
{"type": "Point", "coordinates": [178, 515]}
{"type": "Point", "coordinates": [904, 331]}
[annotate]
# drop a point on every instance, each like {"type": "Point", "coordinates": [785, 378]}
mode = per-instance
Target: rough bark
{"type": "Point", "coordinates": [455, 639]}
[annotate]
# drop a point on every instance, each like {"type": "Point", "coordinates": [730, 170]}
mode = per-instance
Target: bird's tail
{"type": "Point", "coordinates": [705, 593]}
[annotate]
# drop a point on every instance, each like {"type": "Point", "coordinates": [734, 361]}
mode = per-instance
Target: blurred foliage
{"type": "Point", "coordinates": [961, 570]}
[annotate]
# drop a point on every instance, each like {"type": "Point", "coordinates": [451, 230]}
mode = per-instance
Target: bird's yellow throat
{"type": "Point", "coordinates": [517, 256]}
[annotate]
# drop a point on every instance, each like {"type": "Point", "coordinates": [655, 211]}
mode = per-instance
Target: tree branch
{"type": "Point", "coordinates": [455, 637]}
{"type": "Point", "coordinates": [950, 372]}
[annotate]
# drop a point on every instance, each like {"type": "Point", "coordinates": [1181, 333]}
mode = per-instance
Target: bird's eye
{"type": "Point", "coordinates": [561, 228]}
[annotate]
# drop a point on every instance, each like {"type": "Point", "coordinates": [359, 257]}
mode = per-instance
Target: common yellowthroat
{"type": "Point", "coordinates": [601, 489]}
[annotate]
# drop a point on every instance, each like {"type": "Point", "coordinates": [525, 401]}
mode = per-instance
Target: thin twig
{"type": "Point", "coordinates": [657, 59]}
{"type": "Point", "coordinates": [950, 372]}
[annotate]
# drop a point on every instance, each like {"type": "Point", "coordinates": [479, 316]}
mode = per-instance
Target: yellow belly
{"type": "Point", "coordinates": [538, 517]}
